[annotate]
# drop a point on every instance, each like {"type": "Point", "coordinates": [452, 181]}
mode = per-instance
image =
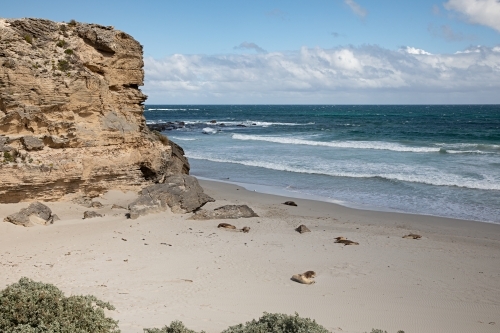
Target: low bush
{"type": "Point", "coordinates": [28, 38]}
{"type": "Point", "coordinates": [35, 307]}
{"type": "Point", "coordinates": [175, 327]}
{"type": "Point", "coordinates": [278, 323]}
{"type": "Point", "coordinates": [63, 65]}
{"type": "Point", "coordinates": [61, 43]}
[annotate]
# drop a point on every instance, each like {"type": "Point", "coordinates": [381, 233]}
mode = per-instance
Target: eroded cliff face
{"type": "Point", "coordinates": [71, 113]}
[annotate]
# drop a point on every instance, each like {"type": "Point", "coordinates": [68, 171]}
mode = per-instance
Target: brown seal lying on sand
{"type": "Point", "coordinates": [226, 225]}
{"type": "Point", "coordinates": [346, 242]}
{"type": "Point", "coordinates": [412, 236]}
{"type": "Point", "coordinates": [290, 203]}
{"type": "Point", "coordinates": [245, 229]}
{"type": "Point", "coordinates": [305, 278]}
{"type": "Point", "coordinates": [340, 238]}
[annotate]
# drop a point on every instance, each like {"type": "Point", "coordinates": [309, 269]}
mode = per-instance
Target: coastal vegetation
{"type": "Point", "coordinates": [35, 307]}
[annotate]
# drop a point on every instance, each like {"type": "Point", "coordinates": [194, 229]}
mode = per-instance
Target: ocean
{"type": "Point", "coordinates": [441, 160]}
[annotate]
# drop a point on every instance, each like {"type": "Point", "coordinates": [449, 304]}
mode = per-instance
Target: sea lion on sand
{"type": "Point", "coordinates": [226, 225]}
{"type": "Point", "coordinates": [340, 238]}
{"type": "Point", "coordinates": [309, 274]}
{"type": "Point", "coordinates": [346, 242]}
{"type": "Point", "coordinates": [290, 203]}
{"type": "Point", "coordinates": [245, 229]}
{"type": "Point", "coordinates": [412, 236]}
{"type": "Point", "coordinates": [306, 278]}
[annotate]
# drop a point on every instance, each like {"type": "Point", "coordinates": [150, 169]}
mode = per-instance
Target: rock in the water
{"type": "Point", "coordinates": [35, 213]}
{"type": "Point", "coordinates": [225, 212]}
{"type": "Point", "coordinates": [302, 228]}
{"type": "Point", "coordinates": [181, 193]}
{"type": "Point", "coordinates": [89, 214]}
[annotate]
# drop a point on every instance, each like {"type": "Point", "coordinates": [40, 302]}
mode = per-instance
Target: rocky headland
{"type": "Point", "coordinates": [71, 113]}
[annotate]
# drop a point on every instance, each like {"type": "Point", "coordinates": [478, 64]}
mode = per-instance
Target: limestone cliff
{"type": "Point", "coordinates": [71, 113]}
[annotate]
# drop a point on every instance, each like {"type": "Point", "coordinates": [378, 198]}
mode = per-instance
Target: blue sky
{"type": "Point", "coordinates": [315, 51]}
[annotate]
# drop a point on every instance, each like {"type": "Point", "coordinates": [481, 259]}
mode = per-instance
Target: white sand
{"type": "Point", "coordinates": [448, 281]}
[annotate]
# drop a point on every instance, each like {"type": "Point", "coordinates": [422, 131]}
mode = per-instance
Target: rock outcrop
{"type": "Point", "coordinates": [35, 213]}
{"type": "Point", "coordinates": [181, 193]}
{"type": "Point", "coordinates": [225, 212]}
{"type": "Point", "coordinates": [71, 113]}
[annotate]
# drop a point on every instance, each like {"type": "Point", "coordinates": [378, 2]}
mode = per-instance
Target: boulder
{"type": "Point", "coordinates": [89, 214]}
{"type": "Point", "coordinates": [35, 213]}
{"type": "Point", "coordinates": [225, 212]}
{"type": "Point", "coordinates": [32, 143]}
{"type": "Point", "coordinates": [181, 193]}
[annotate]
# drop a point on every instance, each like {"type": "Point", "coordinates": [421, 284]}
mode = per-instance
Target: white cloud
{"type": "Point", "coordinates": [315, 75]}
{"type": "Point", "coordinates": [413, 50]}
{"type": "Point", "coordinates": [484, 12]}
{"type": "Point", "coordinates": [357, 9]}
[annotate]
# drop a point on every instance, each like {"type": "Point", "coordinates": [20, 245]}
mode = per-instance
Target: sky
{"type": "Point", "coordinates": [302, 52]}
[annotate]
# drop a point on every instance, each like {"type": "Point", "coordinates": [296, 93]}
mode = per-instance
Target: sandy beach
{"type": "Point", "coordinates": [164, 267]}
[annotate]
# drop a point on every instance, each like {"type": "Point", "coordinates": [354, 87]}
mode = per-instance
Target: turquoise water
{"type": "Point", "coordinates": [439, 160]}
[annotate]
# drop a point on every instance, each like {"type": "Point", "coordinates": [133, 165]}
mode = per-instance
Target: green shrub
{"type": "Point", "coordinates": [35, 307]}
{"type": "Point", "coordinates": [68, 51]}
{"type": "Point", "coordinates": [63, 65]}
{"type": "Point", "coordinates": [278, 323]}
{"type": "Point", "coordinates": [8, 157]}
{"type": "Point", "coordinates": [61, 43]}
{"type": "Point", "coordinates": [28, 38]}
{"type": "Point", "coordinates": [175, 327]}
{"type": "Point", "coordinates": [72, 23]}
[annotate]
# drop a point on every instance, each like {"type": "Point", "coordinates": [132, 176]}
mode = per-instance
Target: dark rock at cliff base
{"type": "Point", "coordinates": [302, 228]}
{"type": "Point", "coordinates": [181, 193]}
{"type": "Point", "coordinates": [225, 212]}
{"type": "Point", "coordinates": [35, 213]}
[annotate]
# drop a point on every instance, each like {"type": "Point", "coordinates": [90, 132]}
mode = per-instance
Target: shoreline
{"type": "Point", "coordinates": [274, 191]}
{"type": "Point", "coordinates": [210, 279]}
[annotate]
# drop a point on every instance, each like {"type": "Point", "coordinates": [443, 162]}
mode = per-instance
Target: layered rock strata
{"type": "Point", "coordinates": [71, 113]}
